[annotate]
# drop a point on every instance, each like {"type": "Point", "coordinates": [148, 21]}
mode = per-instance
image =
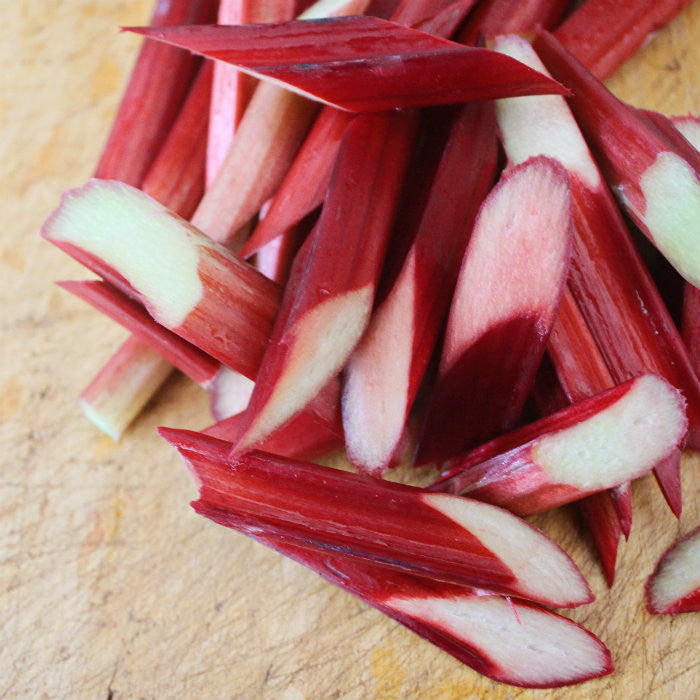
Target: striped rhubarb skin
{"type": "Point", "coordinates": [157, 87]}
{"type": "Point", "coordinates": [337, 62]}
{"type": "Point", "coordinates": [509, 641]}
{"type": "Point", "coordinates": [460, 541]}
{"type": "Point", "coordinates": [329, 297]}
{"type": "Point", "coordinates": [502, 310]}
{"type": "Point", "coordinates": [614, 437]}
{"type": "Point", "coordinates": [305, 184]}
{"type": "Point", "coordinates": [603, 34]}
{"type": "Point", "coordinates": [608, 278]}
{"type": "Point", "coordinates": [385, 371]}
{"type": "Point", "coordinates": [658, 185]}
{"type": "Point", "coordinates": [674, 586]}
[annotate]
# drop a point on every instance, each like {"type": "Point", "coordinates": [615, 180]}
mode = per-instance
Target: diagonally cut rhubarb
{"type": "Point", "coordinates": [186, 357]}
{"type": "Point", "coordinates": [502, 310]}
{"type": "Point", "coordinates": [385, 371]}
{"type": "Point", "coordinates": [510, 641]}
{"type": "Point", "coordinates": [674, 587]}
{"type": "Point", "coordinates": [603, 34]}
{"type": "Point", "coordinates": [614, 437]}
{"type": "Point", "coordinates": [189, 284]}
{"type": "Point", "coordinates": [658, 187]}
{"type": "Point", "coordinates": [327, 509]}
{"type": "Point", "coordinates": [328, 300]}
{"type": "Point", "coordinates": [608, 278]}
{"type": "Point", "coordinates": [362, 63]}
{"type": "Point", "coordinates": [156, 89]}
{"type": "Point", "coordinates": [123, 387]}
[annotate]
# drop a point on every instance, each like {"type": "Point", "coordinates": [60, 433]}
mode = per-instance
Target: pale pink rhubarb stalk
{"type": "Point", "coordinates": [385, 371]}
{"type": "Point", "coordinates": [657, 184]}
{"type": "Point", "coordinates": [329, 297]}
{"type": "Point", "coordinates": [608, 278]}
{"type": "Point", "coordinates": [603, 34]}
{"type": "Point", "coordinates": [232, 89]}
{"type": "Point", "coordinates": [502, 311]}
{"type": "Point", "coordinates": [325, 509]}
{"type": "Point", "coordinates": [614, 437]}
{"type": "Point", "coordinates": [123, 387]}
{"type": "Point", "coordinates": [305, 184]}
{"type": "Point", "coordinates": [156, 89]}
{"type": "Point", "coordinates": [494, 17]}
{"type": "Point", "coordinates": [674, 587]}
{"type": "Point", "coordinates": [509, 641]}
{"type": "Point", "coordinates": [362, 63]}
{"type": "Point", "coordinates": [189, 359]}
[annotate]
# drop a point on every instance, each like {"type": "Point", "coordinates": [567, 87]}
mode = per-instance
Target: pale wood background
{"type": "Point", "coordinates": [110, 586]}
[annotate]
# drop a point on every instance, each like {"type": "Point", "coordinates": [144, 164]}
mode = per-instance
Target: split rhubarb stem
{"type": "Point", "coordinates": [604, 34]}
{"type": "Point", "coordinates": [157, 86]}
{"type": "Point", "coordinates": [386, 370]}
{"type": "Point", "coordinates": [123, 387]}
{"type": "Point", "coordinates": [509, 641]}
{"type": "Point", "coordinates": [502, 310]}
{"type": "Point", "coordinates": [329, 297]}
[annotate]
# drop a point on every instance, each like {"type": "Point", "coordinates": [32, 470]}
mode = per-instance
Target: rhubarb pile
{"type": "Point", "coordinates": [406, 294]}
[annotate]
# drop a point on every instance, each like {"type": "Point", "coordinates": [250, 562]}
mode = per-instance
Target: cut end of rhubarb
{"type": "Point", "coordinates": [545, 573]}
{"type": "Point", "coordinates": [106, 219]}
{"type": "Point", "coordinates": [230, 393]}
{"type": "Point", "coordinates": [519, 644]}
{"type": "Point", "coordinates": [674, 587]}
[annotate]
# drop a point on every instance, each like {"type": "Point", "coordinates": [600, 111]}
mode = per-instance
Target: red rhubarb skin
{"type": "Point", "coordinates": [131, 315]}
{"type": "Point", "coordinates": [494, 17]}
{"type": "Point", "coordinates": [336, 60]}
{"type": "Point", "coordinates": [330, 510]}
{"type": "Point", "coordinates": [690, 602]}
{"type": "Point", "coordinates": [606, 529]}
{"type": "Point", "coordinates": [346, 250]}
{"type": "Point", "coordinates": [156, 89]}
{"type": "Point", "coordinates": [376, 585]}
{"type": "Point", "coordinates": [603, 34]}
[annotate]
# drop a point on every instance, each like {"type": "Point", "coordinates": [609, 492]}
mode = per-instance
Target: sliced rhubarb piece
{"type": "Point", "coordinates": [232, 89]}
{"type": "Point", "coordinates": [502, 310]}
{"type": "Point", "coordinates": [326, 509]}
{"type": "Point", "coordinates": [658, 187]}
{"type": "Point", "coordinates": [362, 63]}
{"type": "Point", "coordinates": [156, 89]}
{"type": "Point", "coordinates": [189, 284]}
{"type": "Point", "coordinates": [608, 278]}
{"type": "Point", "coordinates": [605, 526]}
{"type": "Point", "coordinates": [275, 258]}
{"type": "Point", "coordinates": [387, 368]}
{"type": "Point", "coordinates": [612, 438]}
{"type": "Point", "coordinates": [230, 393]}
{"type": "Point", "coordinates": [508, 640]}
{"type": "Point", "coordinates": [328, 300]}
{"type": "Point", "coordinates": [123, 387]}
{"type": "Point", "coordinates": [674, 587]}
{"type": "Point", "coordinates": [186, 357]}
{"type": "Point", "coordinates": [494, 17]}
{"type": "Point", "coordinates": [689, 126]}
{"type": "Point", "coordinates": [604, 34]}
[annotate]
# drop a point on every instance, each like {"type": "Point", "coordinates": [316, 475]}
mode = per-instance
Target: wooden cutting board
{"type": "Point", "coordinates": [110, 586]}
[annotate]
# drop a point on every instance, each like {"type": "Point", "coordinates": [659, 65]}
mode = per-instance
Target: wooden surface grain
{"type": "Point", "coordinates": [110, 586]}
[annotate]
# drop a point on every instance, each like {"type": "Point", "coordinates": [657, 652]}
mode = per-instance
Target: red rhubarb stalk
{"type": "Point", "coordinates": [131, 315]}
{"type": "Point", "coordinates": [321, 508]}
{"type": "Point", "coordinates": [604, 34]}
{"type": "Point", "coordinates": [614, 437]}
{"type": "Point", "coordinates": [123, 387]}
{"type": "Point", "coordinates": [608, 278]}
{"type": "Point", "coordinates": [232, 89]}
{"type": "Point", "coordinates": [156, 89]}
{"type": "Point", "coordinates": [387, 368]}
{"type": "Point", "coordinates": [502, 310]}
{"type": "Point", "coordinates": [657, 184]}
{"type": "Point", "coordinates": [509, 641]}
{"type": "Point", "coordinates": [362, 63]}
{"type": "Point", "coordinates": [674, 587]}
